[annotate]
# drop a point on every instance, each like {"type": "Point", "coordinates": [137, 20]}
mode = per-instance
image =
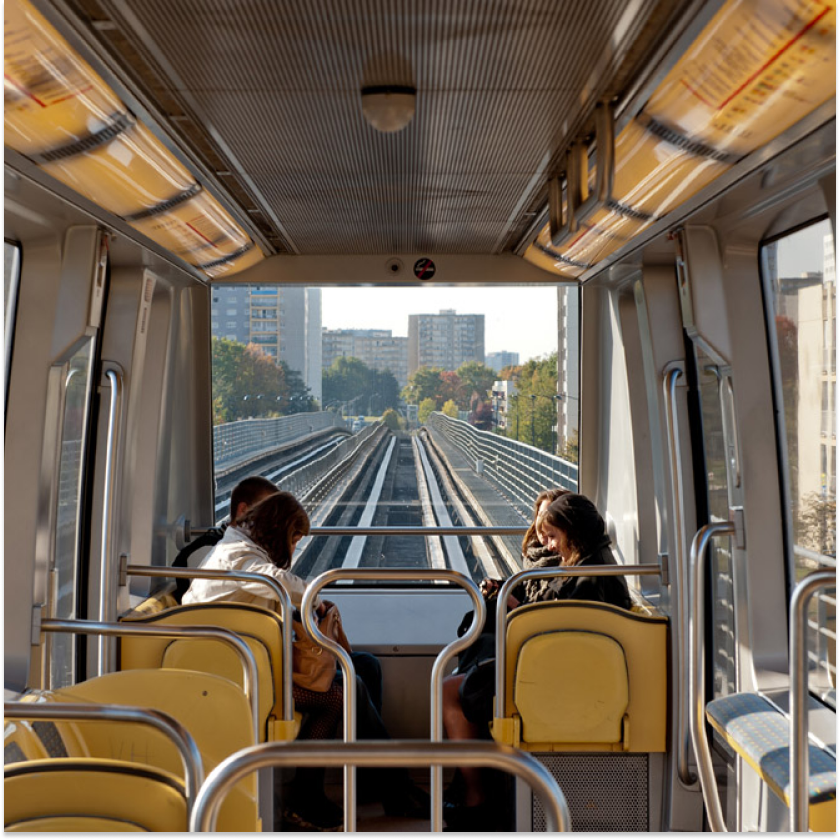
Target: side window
{"type": "Point", "coordinates": [11, 276]}
{"type": "Point", "coordinates": [800, 277]}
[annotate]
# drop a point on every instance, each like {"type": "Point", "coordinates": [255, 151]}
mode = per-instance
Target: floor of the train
{"type": "Point", "coordinates": [370, 816]}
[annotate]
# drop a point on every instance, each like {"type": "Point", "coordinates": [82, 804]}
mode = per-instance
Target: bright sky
{"type": "Point", "coordinates": [519, 319]}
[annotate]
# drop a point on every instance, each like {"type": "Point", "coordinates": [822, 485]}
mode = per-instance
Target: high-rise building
{"type": "Point", "coordinates": [500, 360]}
{"type": "Point", "coordinates": [285, 323]}
{"type": "Point", "coordinates": [445, 340]}
{"type": "Point", "coordinates": [378, 349]}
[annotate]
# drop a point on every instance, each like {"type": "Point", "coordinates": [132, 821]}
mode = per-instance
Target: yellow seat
{"type": "Point", "coordinates": [87, 794]}
{"type": "Point", "coordinates": [198, 701]}
{"type": "Point", "coordinates": [260, 628]}
{"type": "Point", "coordinates": [584, 677]}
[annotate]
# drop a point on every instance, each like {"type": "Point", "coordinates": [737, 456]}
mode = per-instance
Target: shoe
{"type": "Point", "coordinates": [467, 818]}
{"type": "Point", "coordinates": [319, 814]}
{"type": "Point", "coordinates": [411, 802]}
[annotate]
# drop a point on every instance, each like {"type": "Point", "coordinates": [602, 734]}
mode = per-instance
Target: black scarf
{"type": "Point", "coordinates": [539, 557]}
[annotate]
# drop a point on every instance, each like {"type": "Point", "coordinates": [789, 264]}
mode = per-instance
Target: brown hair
{"type": "Point", "coordinates": [274, 524]}
{"type": "Point", "coordinates": [249, 491]}
{"type": "Point", "coordinates": [585, 530]}
{"type": "Point", "coordinates": [546, 495]}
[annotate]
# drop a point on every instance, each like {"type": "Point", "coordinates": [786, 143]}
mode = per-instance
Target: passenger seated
{"type": "Point", "coordinates": [567, 532]}
{"type": "Point", "coordinates": [263, 540]}
{"type": "Point", "coordinates": [244, 496]}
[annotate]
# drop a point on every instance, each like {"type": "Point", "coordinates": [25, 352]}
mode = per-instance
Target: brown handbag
{"type": "Point", "coordinates": [314, 667]}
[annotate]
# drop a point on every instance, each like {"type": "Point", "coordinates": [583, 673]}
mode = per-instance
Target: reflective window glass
{"type": "Point", "coordinates": [799, 269]}
{"type": "Point", "coordinates": [485, 378]}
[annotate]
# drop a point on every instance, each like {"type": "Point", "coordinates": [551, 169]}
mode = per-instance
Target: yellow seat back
{"type": "Point", "coordinates": [584, 700]}
{"type": "Point", "coordinates": [583, 676]}
{"type": "Point", "coordinates": [79, 794]}
{"type": "Point", "coordinates": [198, 701]}
{"type": "Point", "coordinates": [260, 628]}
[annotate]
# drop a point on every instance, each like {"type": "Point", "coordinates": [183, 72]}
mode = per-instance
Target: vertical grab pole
{"type": "Point", "coordinates": [798, 665]}
{"type": "Point", "coordinates": [697, 679]}
{"type": "Point", "coordinates": [348, 671]}
{"type": "Point", "coordinates": [669, 383]}
{"type": "Point", "coordinates": [436, 699]}
{"type": "Point", "coordinates": [107, 606]}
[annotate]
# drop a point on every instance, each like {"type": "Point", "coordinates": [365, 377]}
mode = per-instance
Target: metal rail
{"type": "Point", "coordinates": [380, 754]}
{"type": "Point", "coordinates": [798, 664]}
{"type": "Point", "coordinates": [530, 574]}
{"type": "Point", "coordinates": [405, 530]}
{"type": "Point", "coordinates": [697, 671]}
{"type": "Point", "coordinates": [669, 386]}
{"type": "Point", "coordinates": [349, 672]}
{"type": "Point", "coordinates": [266, 580]}
{"type": "Point", "coordinates": [180, 737]}
{"type": "Point", "coordinates": [249, 663]}
{"type": "Point", "coordinates": [106, 576]}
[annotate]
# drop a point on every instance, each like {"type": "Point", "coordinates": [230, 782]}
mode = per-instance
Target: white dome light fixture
{"type": "Point", "coordinates": [389, 108]}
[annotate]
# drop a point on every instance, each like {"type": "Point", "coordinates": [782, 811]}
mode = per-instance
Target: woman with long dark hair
{"type": "Point", "coordinates": [567, 532]}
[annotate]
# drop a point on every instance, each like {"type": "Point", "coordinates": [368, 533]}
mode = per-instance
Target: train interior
{"type": "Point", "coordinates": [689, 246]}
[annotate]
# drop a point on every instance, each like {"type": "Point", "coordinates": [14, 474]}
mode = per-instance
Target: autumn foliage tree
{"type": "Point", "coordinates": [248, 383]}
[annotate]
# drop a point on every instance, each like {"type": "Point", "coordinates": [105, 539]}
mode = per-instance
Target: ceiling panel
{"type": "Point", "coordinates": [276, 85]}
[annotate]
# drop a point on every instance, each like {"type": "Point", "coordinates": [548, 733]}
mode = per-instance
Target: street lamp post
{"type": "Point", "coordinates": [533, 412]}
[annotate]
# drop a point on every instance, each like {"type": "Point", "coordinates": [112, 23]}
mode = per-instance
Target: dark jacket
{"type": "Point", "coordinates": [207, 540]}
{"type": "Point", "coordinates": [609, 590]}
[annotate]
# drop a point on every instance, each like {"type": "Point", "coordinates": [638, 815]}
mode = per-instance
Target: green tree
{"type": "Point", "coordinates": [364, 390]}
{"type": "Point", "coordinates": [248, 383]}
{"type": "Point", "coordinates": [535, 407]}
{"type": "Point", "coordinates": [450, 409]}
{"type": "Point", "coordinates": [425, 408]}
{"type": "Point", "coordinates": [476, 378]}
{"type": "Point", "coordinates": [452, 389]}
{"type": "Point", "coordinates": [392, 420]}
{"type": "Point", "coordinates": [423, 384]}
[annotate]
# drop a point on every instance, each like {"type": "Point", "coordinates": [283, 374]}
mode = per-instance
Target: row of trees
{"type": "Point", "coordinates": [359, 389]}
{"type": "Point", "coordinates": [247, 383]}
{"type": "Point", "coordinates": [531, 414]}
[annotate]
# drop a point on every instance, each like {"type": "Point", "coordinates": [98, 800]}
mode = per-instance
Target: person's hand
{"type": "Point", "coordinates": [488, 587]}
{"type": "Point", "coordinates": [321, 609]}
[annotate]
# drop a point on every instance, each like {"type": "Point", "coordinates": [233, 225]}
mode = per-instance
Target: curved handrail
{"type": "Point", "coordinates": [380, 754]}
{"type": "Point", "coordinates": [669, 386]}
{"type": "Point", "coordinates": [530, 574]}
{"type": "Point", "coordinates": [272, 583]}
{"type": "Point", "coordinates": [180, 737]}
{"type": "Point", "coordinates": [349, 672]}
{"type": "Point", "coordinates": [249, 663]}
{"type": "Point", "coordinates": [798, 665]}
{"type": "Point", "coordinates": [696, 671]}
{"type": "Point", "coordinates": [106, 604]}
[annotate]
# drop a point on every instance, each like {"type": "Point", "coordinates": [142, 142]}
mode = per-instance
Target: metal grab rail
{"type": "Point", "coordinates": [106, 604]}
{"type": "Point", "coordinates": [530, 574]}
{"type": "Point", "coordinates": [180, 737]}
{"type": "Point", "coordinates": [249, 663]}
{"type": "Point", "coordinates": [682, 574]}
{"type": "Point", "coordinates": [349, 672]}
{"type": "Point", "coordinates": [272, 583]}
{"type": "Point", "coordinates": [798, 664]}
{"type": "Point", "coordinates": [380, 754]}
{"type": "Point", "coordinates": [696, 671]}
{"type": "Point", "coordinates": [405, 530]}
